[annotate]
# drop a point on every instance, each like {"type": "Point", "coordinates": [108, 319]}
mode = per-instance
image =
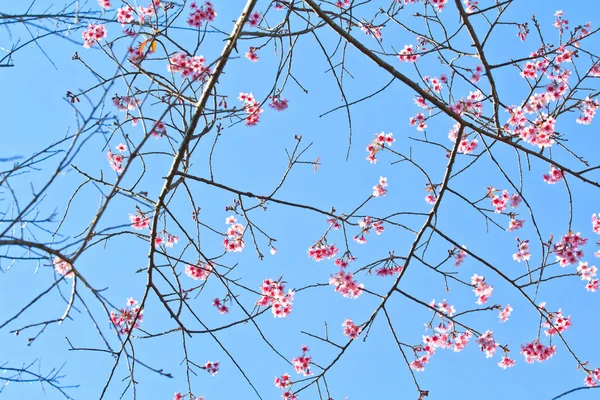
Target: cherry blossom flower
{"type": "Point", "coordinates": [487, 343]}
{"type": "Point", "coordinates": [189, 67]}
{"type": "Point", "coordinates": [220, 306]}
{"type": "Point", "coordinates": [115, 161]}
{"type": "Point", "coordinates": [553, 176]}
{"type": "Point", "coordinates": [211, 367]}
{"type": "Point", "coordinates": [105, 4]}
{"type": "Point", "coordinates": [234, 241]}
{"type": "Point", "coordinates": [139, 220]}
{"type": "Point", "coordinates": [568, 250]}
{"type": "Point", "coordinates": [366, 224]}
{"type": "Point", "coordinates": [476, 76]}
{"type": "Point", "coordinates": [93, 34]}
{"type": "Point", "coordinates": [536, 351]}
{"type": "Point", "coordinates": [408, 54]}
{"type": "Point", "coordinates": [127, 318]}
{"type": "Point", "coordinates": [593, 285]}
{"type": "Point", "coordinates": [588, 109]}
{"type": "Point", "coordinates": [482, 290]}
{"type": "Point", "coordinates": [523, 31]}
{"type": "Point", "coordinates": [201, 14]}
{"type": "Point", "coordinates": [320, 251]}
{"type": "Point", "coordinates": [419, 121]}
{"type": "Point", "coordinates": [342, 3]}
{"type": "Point", "coordinates": [125, 103]}
{"type": "Point", "coordinates": [125, 15]}
{"type": "Point", "coordinates": [370, 30]}
{"type": "Point", "coordinates": [273, 294]}
{"type": "Point", "coordinates": [273, 251]}
{"type": "Point", "coordinates": [559, 324]}
{"type": "Point", "coordinates": [515, 224]}
{"type": "Point", "coordinates": [523, 254]}
{"type": "Point", "coordinates": [302, 363]}
{"type": "Point", "coordinates": [379, 143]}
{"type": "Point", "coordinates": [443, 307]}
{"type": "Point", "coordinates": [252, 108]}
{"type": "Point", "coordinates": [389, 270]}
{"type": "Point", "coordinates": [278, 103]}
{"type": "Point", "coordinates": [350, 329]}
{"type": "Point", "coordinates": [160, 130]}
{"type": "Point", "coordinates": [62, 267]}
{"type": "Point", "coordinates": [379, 190]}
{"type": "Point", "coordinates": [505, 313]}
{"type": "Point", "coordinates": [121, 148]}
{"type": "Point", "coordinates": [254, 19]}
{"type": "Point", "coordinates": [459, 256]}
{"type": "Point", "coordinates": [283, 381]}
{"type": "Point", "coordinates": [506, 362]}
{"type": "Point", "coordinates": [346, 285]}
{"type": "Point", "coordinates": [251, 54]}
{"type": "Point", "coordinates": [199, 271]}
{"type": "Point", "coordinates": [585, 272]}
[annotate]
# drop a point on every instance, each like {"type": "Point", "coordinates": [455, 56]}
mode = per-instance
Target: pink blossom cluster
{"type": "Point", "coordinates": [482, 290]}
{"type": "Point", "coordinates": [166, 239]}
{"type": "Point", "coordinates": [370, 30]}
{"type": "Point", "coordinates": [200, 14]}
{"type": "Point", "coordinates": [366, 224]}
{"type": "Point", "coordinates": [346, 285]}
{"type": "Point", "coordinates": [199, 271]}
{"type": "Point", "coordinates": [189, 67]}
{"type": "Point", "coordinates": [284, 382]}
{"type": "Point", "coordinates": [320, 251]}
{"type": "Point", "coordinates": [505, 313]}
{"type": "Point", "coordinates": [523, 31]}
{"type": "Point", "coordinates": [523, 253]}
{"type": "Point", "coordinates": [127, 318]}
{"type": "Point", "coordinates": [506, 362]}
{"type": "Point", "coordinates": [560, 23]}
{"type": "Point", "coordinates": [254, 19]}
{"type": "Point", "coordinates": [435, 84]}
{"type": "Point", "coordinates": [588, 109]}
{"type": "Point", "coordinates": [419, 120]}
{"type": "Point", "coordinates": [93, 34]}
{"type": "Point", "coordinates": [487, 343]}
{"type": "Point", "coordinates": [211, 367]}
{"type": "Point", "coordinates": [408, 54]}
{"type": "Point", "coordinates": [334, 223]}
{"type": "Point", "coordinates": [465, 146]}
{"type": "Point", "coordinates": [179, 396]}
{"type": "Point", "coordinates": [252, 108]}
{"type": "Point", "coordinates": [147, 12]}
{"type": "Point", "coordinates": [302, 363]}
{"type": "Point", "coordinates": [115, 161]}
{"type": "Point", "coordinates": [381, 139]}
{"type": "Point", "coordinates": [234, 241]}
{"type": "Point", "coordinates": [500, 202]}
{"type": "Point", "coordinates": [459, 256]}
{"type": "Point", "coordinates": [251, 54]}
{"type": "Point", "coordinates": [139, 220]}
{"type": "Point", "coordinates": [273, 294]}
{"type": "Point", "coordinates": [62, 267]}
{"type": "Point", "coordinates": [568, 250]}
{"type": "Point", "coordinates": [476, 76]}
{"type": "Point", "coordinates": [125, 15]}
{"type": "Point", "coordinates": [278, 103]}
{"type": "Point", "coordinates": [515, 224]}
{"type": "Point", "coordinates": [441, 338]}
{"type": "Point", "coordinates": [219, 304]}
{"type": "Point", "coordinates": [557, 323]}
{"type": "Point", "coordinates": [124, 103]}
{"type": "Point", "coordinates": [342, 3]}
{"type": "Point", "coordinates": [389, 270]}
{"type": "Point", "coordinates": [105, 4]}
{"type": "Point", "coordinates": [350, 329]}
{"type": "Point", "coordinates": [379, 189]}
{"type": "Point", "coordinates": [592, 378]}
{"type": "Point", "coordinates": [160, 130]}
{"type": "Point", "coordinates": [536, 351]}
{"type": "Point", "coordinates": [553, 176]}
{"type": "Point", "coordinates": [443, 307]}
{"type": "Point", "coordinates": [472, 104]}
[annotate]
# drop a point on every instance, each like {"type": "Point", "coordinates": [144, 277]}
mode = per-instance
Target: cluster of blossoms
{"type": "Point", "coordinates": [515, 224]}
{"type": "Point", "coordinates": [148, 12]}
{"type": "Point", "coordinates": [234, 241]}
{"type": "Point", "coordinates": [505, 313]}
{"type": "Point", "coordinates": [419, 120]}
{"type": "Point", "coordinates": [366, 224]}
{"type": "Point", "coordinates": [559, 323]}
{"type": "Point", "coordinates": [279, 104]}
{"type": "Point", "coordinates": [127, 318]}
{"type": "Point", "coordinates": [160, 130]}
{"type": "Point", "coordinates": [472, 104]}
{"type": "Point", "coordinates": [381, 139]}
{"type": "Point", "coordinates": [284, 382]}
{"type": "Point", "coordinates": [105, 4]}
{"type": "Point", "coordinates": [588, 110]}
{"type": "Point", "coordinates": [568, 250]}
{"type": "Point", "coordinates": [115, 161]}
{"type": "Point", "coordinates": [487, 343]}
{"type": "Point", "coordinates": [536, 351]}
{"type": "Point", "coordinates": [482, 290]}
{"type": "Point", "coordinates": [553, 176]}
{"type": "Point", "coordinates": [592, 379]}
{"type": "Point", "coordinates": [124, 103]}
{"type": "Point", "coordinates": [219, 304]}
{"type": "Point", "coordinates": [500, 202]}
{"type": "Point", "coordinates": [93, 34]}
{"type": "Point", "coordinates": [465, 146]}
{"type": "Point", "coordinates": [408, 54]}
{"type": "Point", "coordinates": [179, 396]}
{"type": "Point", "coordinates": [342, 3]}
{"type": "Point", "coordinates": [302, 363]}
{"type": "Point", "coordinates": [350, 329]}
{"type": "Point", "coordinates": [211, 367]}
{"type": "Point", "coordinates": [136, 54]}
{"type": "Point", "coordinates": [588, 273]}
{"type": "Point", "coordinates": [254, 19]}
{"type": "Point", "coordinates": [344, 260]}
{"type": "Point", "coordinates": [62, 267]}
{"type": "Point", "coordinates": [476, 76]}
{"type": "Point", "coordinates": [139, 220]}
{"type": "Point", "coordinates": [191, 67]}
{"type": "Point", "coordinates": [435, 84]}
{"type": "Point", "coordinates": [251, 54]}
{"type": "Point", "coordinates": [273, 294]}
{"type": "Point", "coordinates": [125, 15]}
{"type": "Point", "coordinates": [443, 337]}
{"type": "Point", "coordinates": [443, 307]}
{"type": "Point", "coordinates": [199, 271]}
{"type": "Point", "coordinates": [320, 251]}
{"type": "Point", "coordinates": [346, 285]}
{"type": "Point", "coordinates": [370, 30]}
{"type": "Point", "coordinates": [379, 189]}
{"type": "Point", "coordinates": [166, 239]}
{"type": "Point", "coordinates": [459, 256]}
{"type": "Point", "coordinates": [252, 108]}
{"type": "Point", "coordinates": [523, 254]}
{"type": "Point", "coordinates": [506, 362]}
{"type": "Point", "coordinates": [200, 14]}
{"type": "Point", "coordinates": [560, 23]}
{"type": "Point", "coordinates": [389, 269]}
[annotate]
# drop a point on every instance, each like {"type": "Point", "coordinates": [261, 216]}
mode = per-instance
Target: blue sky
{"type": "Point", "coordinates": [35, 114]}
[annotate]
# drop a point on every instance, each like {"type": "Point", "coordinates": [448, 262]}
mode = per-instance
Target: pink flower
{"type": "Point", "coordinates": [487, 343]}
{"type": "Point", "coordinates": [408, 54]}
{"type": "Point", "coordinates": [379, 190]}
{"type": "Point", "coordinates": [523, 254]}
{"type": "Point", "coordinates": [251, 54]}
{"type": "Point", "coordinates": [105, 4]}
{"type": "Point", "coordinates": [553, 176]}
{"type": "Point", "coordinates": [559, 324]}
{"type": "Point", "coordinates": [482, 290]}
{"type": "Point", "coordinates": [139, 220]}
{"type": "Point", "coordinates": [596, 223]}
{"type": "Point", "coordinates": [302, 363]}
{"type": "Point", "coordinates": [459, 256]}
{"type": "Point", "coordinates": [379, 143]}
{"type": "Point", "coordinates": [278, 103]}
{"type": "Point", "coordinates": [568, 250]}
{"type": "Point", "coordinates": [93, 34]}
{"type": "Point", "coordinates": [121, 148]}
{"type": "Point", "coordinates": [234, 241]}
{"type": "Point", "coordinates": [346, 285]}
{"type": "Point", "coordinates": [370, 30]}
{"type": "Point", "coordinates": [189, 67]}
{"type": "Point", "coordinates": [350, 329]}
{"type": "Point", "coordinates": [273, 294]}
{"type": "Point", "coordinates": [125, 15]}
{"type": "Point", "coordinates": [199, 15]}
{"type": "Point", "coordinates": [536, 351]}
{"type": "Point", "coordinates": [200, 271]}
{"type": "Point", "coordinates": [515, 224]}
{"type": "Point", "coordinates": [127, 318]}
{"type": "Point", "coordinates": [320, 251]}
{"type": "Point", "coordinates": [506, 362]}
{"type": "Point", "coordinates": [505, 313]}
{"type": "Point", "coordinates": [212, 367]}
{"type": "Point", "coordinates": [254, 19]}
{"type": "Point", "coordinates": [252, 108]}
{"type": "Point", "coordinates": [62, 267]}
{"type": "Point", "coordinates": [444, 307]}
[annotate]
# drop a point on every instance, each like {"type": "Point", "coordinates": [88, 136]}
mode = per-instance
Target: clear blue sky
{"type": "Point", "coordinates": [35, 114]}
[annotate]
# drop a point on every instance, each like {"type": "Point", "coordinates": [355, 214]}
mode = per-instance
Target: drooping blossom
{"type": "Point", "coordinates": [482, 290]}
{"type": "Point", "coordinates": [379, 189]}
{"type": "Point", "coordinates": [350, 329]}
{"type": "Point", "coordinates": [302, 363]}
{"type": "Point", "coordinates": [274, 295]}
{"type": "Point", "coordinates": [201, 14]}
{"type": "Point", "coordinates": [252, 108]}
{"type": "Point", "coordinates": [505, 313]}
{"type": "Point", "coordinates": [487, 343]}
{"type": "Point", "coordinates": [128, 318]}
{"type": "Point", "coordinates": [568, 251]}
{"type": "Point", "coordinates": [93, 34]}
{"type": "Point", "coordinates": [346, 285]}
{"type": "Point", "coordinates": [234, 241]}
